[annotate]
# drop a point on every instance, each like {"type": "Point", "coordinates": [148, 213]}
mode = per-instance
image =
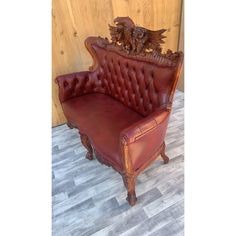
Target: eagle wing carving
{"type": "Point", "coordinates": [134, 39]}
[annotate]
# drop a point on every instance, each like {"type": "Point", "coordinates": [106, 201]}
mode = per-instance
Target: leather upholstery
{"type": "Point", "coordinates": [77, 84]}
{"type": "Point", "coordinates": [145, 87]}
{"type": "Point", "coordinates": [122, 102]}
{"type": "Point", "coordinates": [141, 86]}
{"type": "Point", "coordinates": [145, 137]}
{"type": "Point", "coordinates": [102, 118]}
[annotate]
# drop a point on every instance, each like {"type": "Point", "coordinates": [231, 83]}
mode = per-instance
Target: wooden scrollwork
{"type": "Point", "coordinates": [138, 42]}
{"type": "Point", "coordinates": [135, 39]}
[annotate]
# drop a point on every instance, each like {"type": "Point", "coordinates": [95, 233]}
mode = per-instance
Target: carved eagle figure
{"type": "Point", "coordinates": [135, 39]}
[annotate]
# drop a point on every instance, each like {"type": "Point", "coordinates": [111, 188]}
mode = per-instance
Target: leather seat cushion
{"type": "Point", "coordinates": [102, 119]}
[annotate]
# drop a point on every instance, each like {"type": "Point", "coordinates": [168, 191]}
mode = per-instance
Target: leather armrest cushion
{"type": "Point", "coordinates": [143, 139]}
{"type": "Point", "coordinates": [143, 127]}
{"type": "Point", "coordinates": [75, 84]}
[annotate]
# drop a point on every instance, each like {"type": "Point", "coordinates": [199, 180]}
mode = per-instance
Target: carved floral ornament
{"type": "Point", "coordinates": [137, 41]}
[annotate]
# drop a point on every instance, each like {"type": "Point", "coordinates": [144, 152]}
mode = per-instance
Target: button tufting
{"type": "Point", "coordinates": [127, 80]}
{"type": "Point", "coordinates": [65, 83]}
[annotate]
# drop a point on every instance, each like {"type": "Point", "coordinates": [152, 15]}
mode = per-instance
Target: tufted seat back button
{"type": "Point", "coordinates": [65, 84]}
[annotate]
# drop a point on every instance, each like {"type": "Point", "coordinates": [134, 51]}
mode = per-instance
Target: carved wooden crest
{"type": "Point", "coordinates": [135, 39]}
{"type": "Point", "coordinates": [138, 42]}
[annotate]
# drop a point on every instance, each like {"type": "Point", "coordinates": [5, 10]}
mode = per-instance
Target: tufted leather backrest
{"type": "Point", "coordinates": [144, 86]}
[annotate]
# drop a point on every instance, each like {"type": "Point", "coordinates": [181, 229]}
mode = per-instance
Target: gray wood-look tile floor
{"type": "Point", "coordinates": [89, 198]}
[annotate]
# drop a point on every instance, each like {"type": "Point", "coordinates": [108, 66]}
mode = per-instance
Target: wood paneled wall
{"type": "Point", "coordinates": [74, 20]}
{"type": "Point", "coordinates": [180, 85]}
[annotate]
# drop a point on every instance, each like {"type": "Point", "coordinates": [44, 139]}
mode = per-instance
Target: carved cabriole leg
{"type": "Point", "coordinates": [163, 155]}
{"type": "Point", "coordinates": [85, 141]}
{"type": "Point", "coordinates": [128, 175]}
{"type": "Point", "coordinates": [129, 182]}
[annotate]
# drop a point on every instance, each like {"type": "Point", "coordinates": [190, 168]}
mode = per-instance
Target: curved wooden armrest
{"type": "Point", "coordinates": [144, 127]}
{"type": "Point", "coordinates": [75, 84]}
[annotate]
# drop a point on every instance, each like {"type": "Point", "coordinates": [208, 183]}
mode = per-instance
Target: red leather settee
{"type": "Point", "coordinates": [122, 105]}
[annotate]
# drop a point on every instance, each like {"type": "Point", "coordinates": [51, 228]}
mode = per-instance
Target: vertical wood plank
{"type": "Point", "coordinates": [180, 85]}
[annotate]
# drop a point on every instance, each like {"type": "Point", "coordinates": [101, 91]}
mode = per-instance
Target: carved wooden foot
{"type": "Point", "coordinates": [69, 125]}
{"type": "Point", "coordinates": [163, 155]}
{"type": "Point", "coordinates": [129, 182]}
{"type": "Point", "coordinates": [131, 198]}
{"type": "Point", "coordinates": [85, 141]}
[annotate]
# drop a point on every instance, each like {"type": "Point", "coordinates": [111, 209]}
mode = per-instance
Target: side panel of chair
{"type": "Point", "coordinates": [142, 149]}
